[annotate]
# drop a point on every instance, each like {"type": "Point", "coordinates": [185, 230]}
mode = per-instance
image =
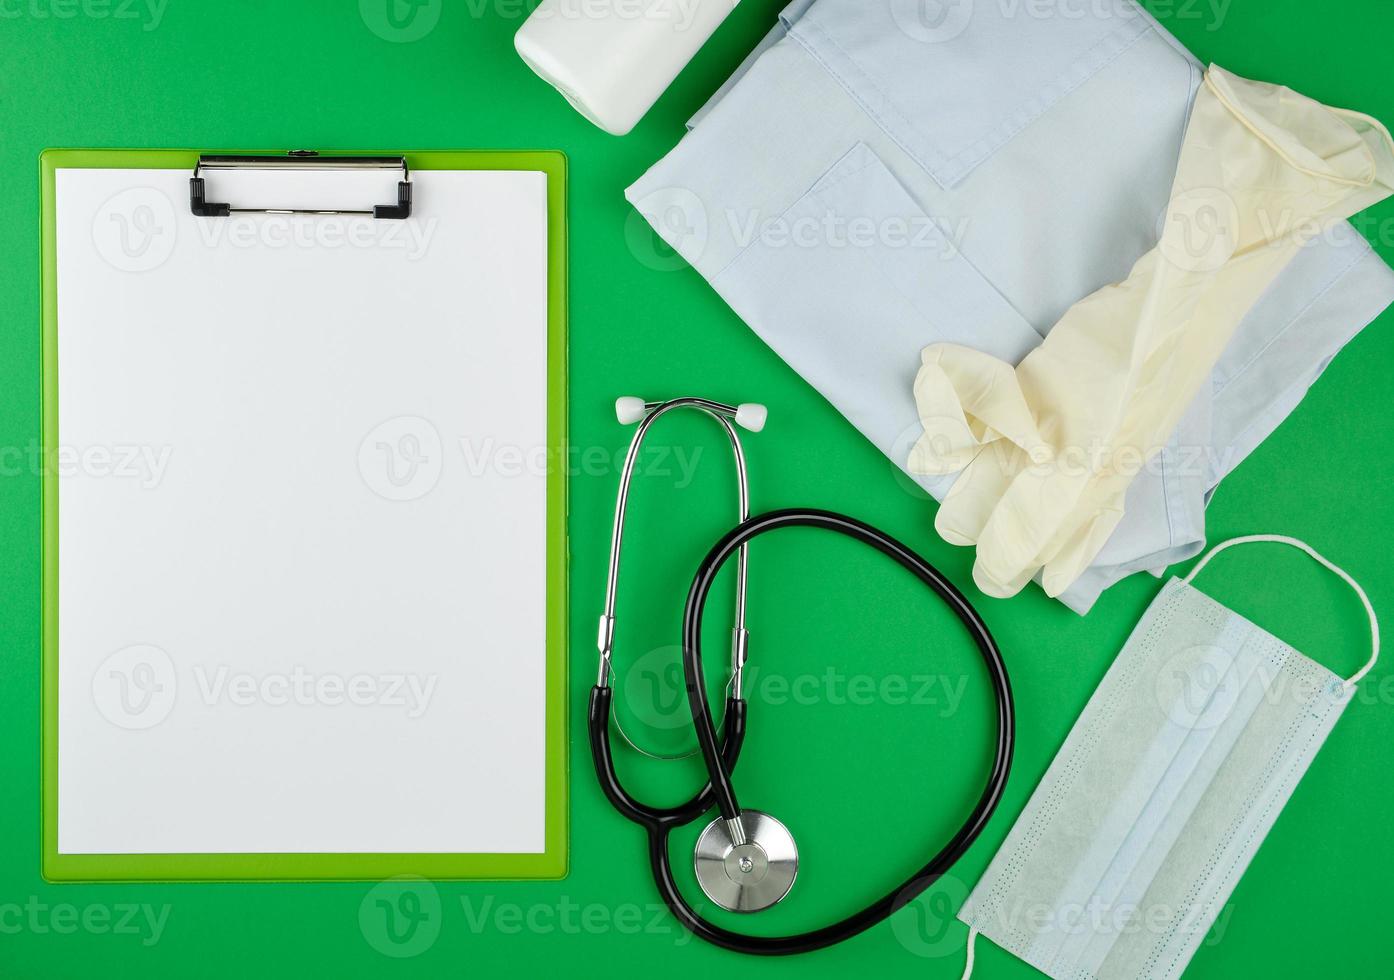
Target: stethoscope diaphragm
{"type": "Point", "coordinates": [746, 876]}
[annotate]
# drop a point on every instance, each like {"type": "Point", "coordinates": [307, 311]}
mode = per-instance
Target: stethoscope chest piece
{"type": "Point", "coordinates": [751, 875]}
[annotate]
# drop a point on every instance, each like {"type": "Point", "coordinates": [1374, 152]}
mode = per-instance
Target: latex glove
{"type": "Point", "coordinates": [1048, 448]}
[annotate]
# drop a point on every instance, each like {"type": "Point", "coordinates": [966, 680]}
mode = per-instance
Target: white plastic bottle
{"type": "Point", "coordinates": [612, 59]}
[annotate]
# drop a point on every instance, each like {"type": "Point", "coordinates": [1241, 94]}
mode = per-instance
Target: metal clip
{"type": "Point", "coordinates": [298, 160]}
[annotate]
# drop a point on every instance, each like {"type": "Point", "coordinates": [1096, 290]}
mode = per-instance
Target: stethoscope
{"type": "Point", "coordinates": [746, 860]}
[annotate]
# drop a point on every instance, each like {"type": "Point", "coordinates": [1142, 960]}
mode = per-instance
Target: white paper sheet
{"type": "Point", "coordinates": [302, 542]}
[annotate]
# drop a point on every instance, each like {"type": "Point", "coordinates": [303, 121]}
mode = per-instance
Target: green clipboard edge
{"type": "Point", "coordinates": [552, 863]}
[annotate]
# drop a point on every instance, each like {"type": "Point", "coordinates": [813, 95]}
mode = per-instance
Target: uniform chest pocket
{"type": "Point", "coordinates": [852, 282]}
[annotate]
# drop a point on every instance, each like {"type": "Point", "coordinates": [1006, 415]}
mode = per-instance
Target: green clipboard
{"type": "Point", "coordinates": [552, 861]}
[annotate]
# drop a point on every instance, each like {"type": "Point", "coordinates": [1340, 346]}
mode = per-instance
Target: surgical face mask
{"type": "Point", "coordinates": [1144, 823]}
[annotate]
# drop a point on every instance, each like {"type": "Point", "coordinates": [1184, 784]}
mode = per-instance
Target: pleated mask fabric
{"type": "Point", "coordinates": [1133, 842]}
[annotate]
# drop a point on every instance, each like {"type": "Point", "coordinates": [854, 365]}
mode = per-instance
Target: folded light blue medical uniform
{"type": "Point", "coordinates": [880, 175]}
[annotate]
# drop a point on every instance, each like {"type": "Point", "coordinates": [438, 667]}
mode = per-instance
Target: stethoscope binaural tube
{"type": "Point", "coordinates": [628, 410]}
{"type": "Point", "coordinates": [654, 818]}
{"type": "Point", "coordinates": [720, 760]}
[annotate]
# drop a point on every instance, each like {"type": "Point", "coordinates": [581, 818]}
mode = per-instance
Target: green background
{"type": "Point", "coordinates": [868, 777]}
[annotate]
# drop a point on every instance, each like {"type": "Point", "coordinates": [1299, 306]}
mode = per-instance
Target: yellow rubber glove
{"type": "Point", "coordinates": [1048, 448]}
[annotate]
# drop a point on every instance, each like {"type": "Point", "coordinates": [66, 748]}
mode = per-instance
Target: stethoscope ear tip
{"type": "Point", "coordinates": [629, 409]}
{"type": "Point", "coordinates": [751, 416]}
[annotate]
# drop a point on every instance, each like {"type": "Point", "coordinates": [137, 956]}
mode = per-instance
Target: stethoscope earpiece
{"type": "Point", "coordinates": [752, 416]}
{"type": "Point", "coordinates": [629, 409]}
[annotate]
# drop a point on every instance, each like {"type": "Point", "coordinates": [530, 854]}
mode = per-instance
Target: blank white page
{"type": "Point", "coordinates": [302, 501]}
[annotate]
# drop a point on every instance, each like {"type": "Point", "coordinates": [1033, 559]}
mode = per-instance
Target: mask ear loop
{"type": "Point", "coordinates": [1330, 566]}
{"type": "Point", "coordinates": [968, 961]}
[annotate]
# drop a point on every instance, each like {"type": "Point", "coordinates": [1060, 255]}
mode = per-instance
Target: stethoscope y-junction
{"type": "Point", "coordinates": [746, 860]}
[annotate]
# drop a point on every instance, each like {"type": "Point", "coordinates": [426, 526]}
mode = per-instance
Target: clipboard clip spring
{"type": "Point", "coordinates": [298, 160]}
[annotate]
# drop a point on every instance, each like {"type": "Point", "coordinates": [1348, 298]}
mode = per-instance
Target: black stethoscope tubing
{"type": "Point", "coordinates": [720, 753]}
